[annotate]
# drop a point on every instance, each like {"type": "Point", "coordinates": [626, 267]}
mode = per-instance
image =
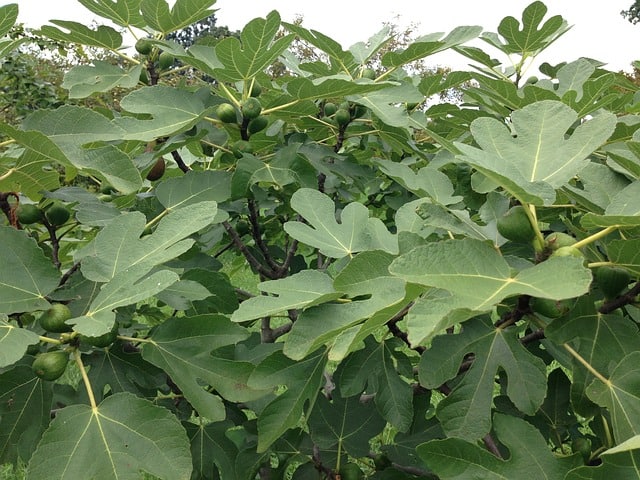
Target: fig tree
{"type": "Point", "coordinates": [50, 365]}
{"type": "Point", "coordinates": [53, 319]}
{"type": "Point", "coordinates": [515, 225]}
{"type": "Point", "coordinates": [567, 252]}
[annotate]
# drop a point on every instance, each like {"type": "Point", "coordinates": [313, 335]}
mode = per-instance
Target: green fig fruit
{"type": "Point", "coordinates": [515, 225]}
{"type": "Point", "coordinates": [251, 108]}
{"type": "Point", "coordinates": [612, 280]}
{"type": "Point", "coordinates": [144, 46]}
{"type": "Point", "coordinates": [226, 113]}
{"type": "Point", "coordinates": [50, 365]}
{"type": "Point", "coordinates": [53, 320]}
{"type": "Point", "coordinates": [57, 214]}
{"type": "Point", "coordinates": [28, 213]}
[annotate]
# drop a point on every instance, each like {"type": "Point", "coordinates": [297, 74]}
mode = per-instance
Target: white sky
{"type": "Point", "coordinates": [598, 29]}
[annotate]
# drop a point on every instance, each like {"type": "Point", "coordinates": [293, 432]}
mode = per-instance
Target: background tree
{"type": "Point", "coordinates": [632, 13]}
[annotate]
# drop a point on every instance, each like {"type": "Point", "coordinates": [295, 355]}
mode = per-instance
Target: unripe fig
{"type": "Point", "coordinates": [57, 214]}
{"type": "Point", "coordinates": [551, 308]}
{"type": "Point", "coordinates": [28, 213]}
{"type": "Point", "coordinates": [342, 116]}
{"type": "Point", "coordinates": [257, 124]}
{"type": "Point", "coordinates": [369, 73]}
{"type": "Point", "coordinates": [567, 252]}
{"type": "Point", "coordinates": [515, 225]}
{"type": "Point", "coordinates": [144, 46]}
{"type": "Point", "coordinates": [612, 280]}
{"type": "Point", "coordinates": [226, 113]}
{"type": "Point", "coordinates": [330, 108]}
{"type": "Point", "coordinates": [53, 320]}
{"type": "Point", "coordinates": [251, 108]}
{"type": "Point", "coordinates": [556, 240]}
{"type": "Point", "coordinates": [165, 60]}
{"type": "Point", "coordinates": [256, 89]}
{"type": "Point", "coordinates": [50, 365]}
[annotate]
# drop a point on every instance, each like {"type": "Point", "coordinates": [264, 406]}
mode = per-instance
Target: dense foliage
{"type": "Point", "coordinates": [326, 273]}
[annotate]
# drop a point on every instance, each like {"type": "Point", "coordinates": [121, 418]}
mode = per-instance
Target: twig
{"type": "Point", "coordinates": [622, 300]}
{"type": "Point", "coordinates": [65, 278]}
{"type": "Point", "coordinates": [247, 254]}
{"type": "Point", "coordinates": [257, 235]}
{"type": "Point", "coordinates": [178, 159]}
{"type": "Point", "coordinates": [392, 325]}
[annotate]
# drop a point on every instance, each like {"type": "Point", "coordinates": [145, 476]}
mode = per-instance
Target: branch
{"type": "Point", "coordinates": [392, 325]}
{"type": "Point", "coordinates": [290, 254]}
{"type": "Point", "coordinates": [247, 254]}
{"type": "Point", "coordinates": [622, 300]}
{"type": "Point", "coordinates": [178, 159]}
{"type": "Point", "coordinates": [257, 235]}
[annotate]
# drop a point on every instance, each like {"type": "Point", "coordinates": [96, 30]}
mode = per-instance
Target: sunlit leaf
{"type": "Point", "coordinates": [302, 290]}
{"type": "Point", "coordinates": [119, 245]}
{"type": "Point", "coordinates": [621, 395]}
{"type": "Point", "coordinates": [523, 159]}
{"type": "Point", "coordinates": [121, 12]}
{"type": "Point", "coordinates": [14, 342]}
{"type": "Point", "coordinates": [183, 13]}
{"type": "Point", "coordinates": [74, 32]}
{"type": "Point", "coordinates": [256, 49]}
{"type": "Point", "coordinates": [84, 80]}
{"type": "Point", "coordinates": [355, 232]}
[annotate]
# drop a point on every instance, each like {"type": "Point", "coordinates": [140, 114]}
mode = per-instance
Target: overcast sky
{"type": "Point", "coordinates": [598, 29]}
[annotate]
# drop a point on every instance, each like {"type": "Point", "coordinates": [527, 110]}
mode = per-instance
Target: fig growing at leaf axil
{"type": "Point", "coordinates": [144, 46]}
{"type": "Point", "coordinates": [50, 365]}
{"type": "Point", "coordinates": [53, 319]}
{"type": "Point", "coordinates": [28, 213]}
{"type": "Point", "coordinates": [226, 113]}
{"type": "Point", "coordinates": [251, 108]}
{"type": "Point", "coordinates": [612, 280]}
{"type": "Point", "coordinates": [57, 214]}
{"type": "Point", "coordinates": [515, 225]}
